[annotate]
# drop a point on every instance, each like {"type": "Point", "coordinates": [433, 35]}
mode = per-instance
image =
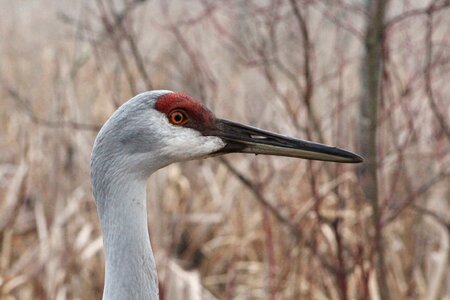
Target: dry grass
{"type": "Point", "coordinates": [61, 76]}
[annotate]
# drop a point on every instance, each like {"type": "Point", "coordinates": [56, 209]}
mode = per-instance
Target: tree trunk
{"type": "Point", "coordinates": [372, 67]}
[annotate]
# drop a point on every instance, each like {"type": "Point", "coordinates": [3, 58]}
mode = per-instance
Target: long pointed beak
{"type": "Point", "coordinates": [246, 139]}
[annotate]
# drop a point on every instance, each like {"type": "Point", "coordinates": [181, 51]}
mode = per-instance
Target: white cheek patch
{"type": "Point", "coordinates": [212, 144]}
{"type": "Point", "coordinates": [189, 144]}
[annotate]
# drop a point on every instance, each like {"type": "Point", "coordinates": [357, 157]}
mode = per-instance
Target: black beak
{"type": "Point", "coordinates": [246, 139]}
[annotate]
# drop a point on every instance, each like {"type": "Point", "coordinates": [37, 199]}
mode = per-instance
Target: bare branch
{"type": "Point", "coordinates": [26, 107]}
{"type": "Point", "coordinates": [433, 7]}
{"type": "Point", "coordinates": [428, 76]}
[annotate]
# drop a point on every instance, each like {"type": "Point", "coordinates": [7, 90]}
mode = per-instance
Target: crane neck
{"type": "Point", "coordinates": [130, 271]}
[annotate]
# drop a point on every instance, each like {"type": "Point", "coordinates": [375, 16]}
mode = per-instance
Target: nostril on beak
{"type": "Point", "coordinates": [258, 137]}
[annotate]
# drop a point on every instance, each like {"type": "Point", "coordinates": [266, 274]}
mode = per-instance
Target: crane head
{"type": "Point", "coordinates": [157, 128]}
{"type": "Point", "coordinates": [183, 111]}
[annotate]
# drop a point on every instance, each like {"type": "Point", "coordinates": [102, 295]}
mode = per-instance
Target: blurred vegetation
{"type": "Point", "coordinates": [370, 76]}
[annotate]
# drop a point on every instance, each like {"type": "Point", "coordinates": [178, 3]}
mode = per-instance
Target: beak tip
{"type": "Point", "coordinates": [355, 158]}
{"type": "Point", "coordinates": [359, 159]}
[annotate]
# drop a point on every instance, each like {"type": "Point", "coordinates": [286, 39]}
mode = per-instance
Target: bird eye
{"type": "Point", "coordinates": [177, 117]}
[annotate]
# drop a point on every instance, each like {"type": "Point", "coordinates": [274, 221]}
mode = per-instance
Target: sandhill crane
{"type": "Point", "coordinates": [149, 132]}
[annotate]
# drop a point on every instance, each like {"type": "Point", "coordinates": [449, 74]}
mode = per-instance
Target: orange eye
{"type": "Point", "coordinates": [177, 117]}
